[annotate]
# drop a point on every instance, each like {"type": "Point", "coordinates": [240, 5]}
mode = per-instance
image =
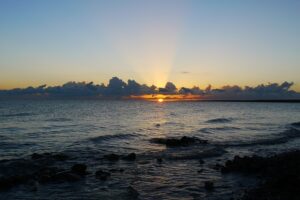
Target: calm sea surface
{"type": "Point", "coordinates": [87, 130]}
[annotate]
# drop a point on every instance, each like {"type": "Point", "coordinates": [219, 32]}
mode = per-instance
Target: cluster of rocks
{"type": "Point", "coordinates": [43, 169]}
{"type": "Point", "coordinates": [38, 169]}
{"type": "Point", "coordinates": [279, 174]}
{"type": "Point", "coordinates": [179, 142]}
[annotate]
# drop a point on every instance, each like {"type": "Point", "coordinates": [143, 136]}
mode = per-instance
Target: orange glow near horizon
{"type": "Point", "coordinates": [166, 97]}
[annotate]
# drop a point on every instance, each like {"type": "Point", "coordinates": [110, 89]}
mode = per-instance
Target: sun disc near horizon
{"type": "Point", "coordinates": [160, 100]}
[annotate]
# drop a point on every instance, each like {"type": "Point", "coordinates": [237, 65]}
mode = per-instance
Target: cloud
{"type": "Point", "coordinates": [119, 88]}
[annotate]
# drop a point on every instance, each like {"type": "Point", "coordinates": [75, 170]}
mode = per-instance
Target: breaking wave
{"type": "Point", "coordinates": [224, 128]}
{"type": "Point", "coordinates": [281, 138]}
{"type": "Point", "coordinates": [17, 115]}
{"type": "Point", "coordinates": [112, 137]}
{"type": "Point", "coordinates": [61, 119]}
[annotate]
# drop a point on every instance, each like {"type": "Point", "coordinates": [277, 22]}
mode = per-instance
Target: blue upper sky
{"type": "Point", "coordinates": [152, 41]}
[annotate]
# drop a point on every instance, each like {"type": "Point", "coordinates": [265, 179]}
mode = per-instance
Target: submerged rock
{"type": "Point", "coordinates": [159, 160]}
{"type": "Point", "coordinates": [11, 181]}
{"type": "Point", "coordinates": [209, 185]}
{"type": "Point", "coordinates": [175, 142]}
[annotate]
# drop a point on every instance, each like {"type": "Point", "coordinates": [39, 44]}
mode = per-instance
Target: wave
{"type": "Point", "coordinates": [281, 138]}
{"type": "Point", "coordinates": [17, 115]}
{"type": "Point", "coordinates": [195, 154]}
{"type": "Point", "coordinates": [12, 129]}
{"type": "Point", "coordinates": [224, 128]}
{"type": "Point", "coordinates": [112, 137]}
{"type": "Point", "coordinates": [61, 119]}
{"type": "Point", "coordinates": [219, 120]}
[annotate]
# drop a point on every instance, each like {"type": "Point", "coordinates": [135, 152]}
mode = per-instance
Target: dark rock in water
{"type": "Point", "coordinates": [217, 166]}
{"type": "Point", "coordinates": [183, 141]}
{"type": "Point", "coordinates": [102, 175]}
{"type": "Point", "coordinates": [79, 169]}
{"type": "Point", "coordinates": [201, 161]}
{"type": "Point", "coordinates": [130, 157]}
{"type": "Point", "coordinates": [296, 124]}
{"type": "Point", "coordinates": [159, 160]}
{"type": "Point", "coordinates": [157, 125]}
{"type": "Point", "coordinates": [111, 157]}
{"type": "Point", "coordinates": [209, 185]}
{"type": "Point", "coordinates": [47, 174]}
{"type": "Point", "coordinates": [12, 181]}
{"type": "Point", "coordinates": [122, 170]}
{"type": "Point", "coordinates": [200, 171]}
{"type": "Point", "coordinates": [280, 175]}
{"type": "Point", "coordinates": [219, 120]}
{"type": "Point", "coordinates": [132, 193]}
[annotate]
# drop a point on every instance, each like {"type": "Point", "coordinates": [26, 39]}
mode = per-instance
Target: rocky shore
{"type": "Point", "coordinates": [279, 175]}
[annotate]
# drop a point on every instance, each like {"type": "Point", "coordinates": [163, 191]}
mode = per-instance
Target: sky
{"type": "Point", "coordinates": [188, 42]}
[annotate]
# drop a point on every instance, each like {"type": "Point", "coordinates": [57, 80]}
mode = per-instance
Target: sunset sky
{"type": "Point", "coordinates": [152, 41]}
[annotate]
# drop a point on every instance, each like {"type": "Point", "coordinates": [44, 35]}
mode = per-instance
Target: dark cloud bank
{"type": "Point", "coordinates": [117, 88]}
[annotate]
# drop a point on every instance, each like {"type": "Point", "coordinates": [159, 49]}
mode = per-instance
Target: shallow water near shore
{"type": "Point", "coordinates": [88, 130]}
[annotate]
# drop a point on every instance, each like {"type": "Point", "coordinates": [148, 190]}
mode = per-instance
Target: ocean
{"type": "Point", "coordinates": [86, 130]}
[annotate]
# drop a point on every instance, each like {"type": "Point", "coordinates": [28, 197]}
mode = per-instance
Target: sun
{"type": "Point", "coordinates": [160, 100]}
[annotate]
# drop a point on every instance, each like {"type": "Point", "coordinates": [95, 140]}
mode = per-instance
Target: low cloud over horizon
{"type": "Point", "coordinates": [117, 88]}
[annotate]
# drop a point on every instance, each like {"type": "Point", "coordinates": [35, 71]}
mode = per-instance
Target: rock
{"type": "Point", "coordinates": [279, 175]}
{"type": "Point", "coordinates": [47, 174]}
{"type": "Point", "coordinates": [130, 157]}
{"type": "Point", "coordinates": [183, 141]}
{"type": "Point", "coordinates": [201, 161]}
{"type": "Point", "coordinates": [200, 171]}
{"type": "Point", "coordinates": [121, 170]}
{"type": "Point", "coordinates": [209, 185]}
{"type": "Point", "coordinates": [79, 169]}
{"type": "Point", "coordinates": [102, 175]}
{"type": "Point", "coordinates": [157, 125]}
{"type": "Point", "coordinates": [111, 157]}
{"type": "Point", "coordinates": [217, 166]}
{"type": "Point", "coordinates": [12, 181]}
{"type": "Point", "coordinates": [159, 160]}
